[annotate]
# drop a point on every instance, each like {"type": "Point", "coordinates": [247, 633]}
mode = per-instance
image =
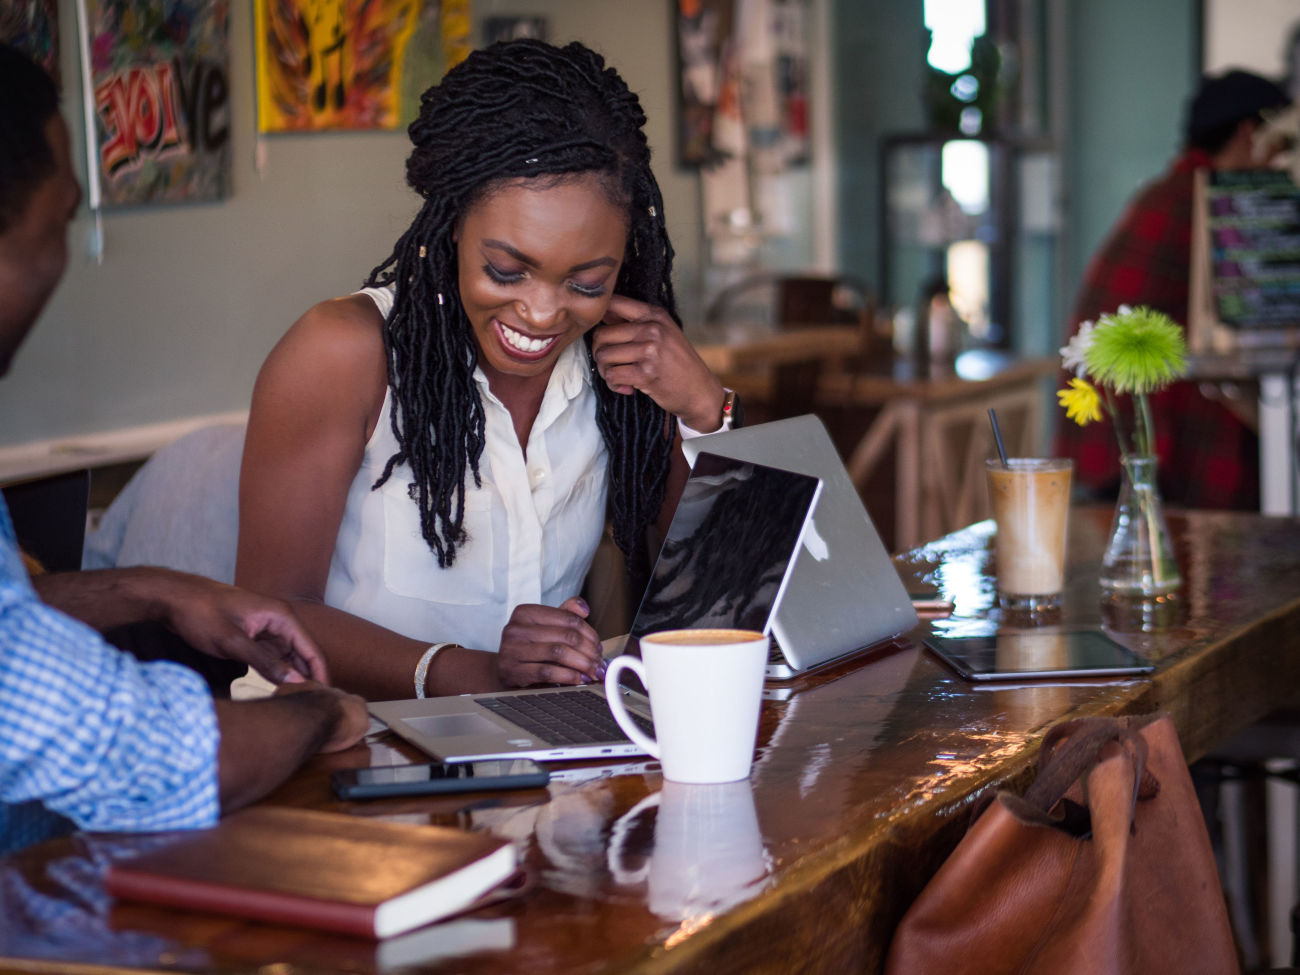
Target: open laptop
{"type": "Point", "coordinates": [725, 563]}
{"type": "Point", "coordinates": [844, 594]}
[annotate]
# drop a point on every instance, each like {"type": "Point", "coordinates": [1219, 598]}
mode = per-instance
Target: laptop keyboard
{"type": "Point", "coordinates": [572, 718]}
{"type": "Point", "coordinates": [775, 655]}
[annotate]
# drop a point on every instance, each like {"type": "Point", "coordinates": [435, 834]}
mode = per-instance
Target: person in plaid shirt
{"type": "Point", "coordinates": [1209, 457]}
{"type": "Point", "coordinates": [87, 732]}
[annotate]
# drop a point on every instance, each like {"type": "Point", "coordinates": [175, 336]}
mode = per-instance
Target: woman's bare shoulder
{"type": "Point", "coordinates": [340, 333]}
{"type": "Point", "coordinates": [347, 327]}
{"type": "Point", "coordinates": [335, 348]}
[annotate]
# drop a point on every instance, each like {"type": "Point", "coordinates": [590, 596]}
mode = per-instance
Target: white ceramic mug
{"type": "Point", "coordinates": [705, 689]}
{"type": "Point", "coordinates": [708, 852]}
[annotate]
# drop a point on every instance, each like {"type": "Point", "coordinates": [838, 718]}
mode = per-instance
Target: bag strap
{"type": "Point", "coordinates": [1068, 753]}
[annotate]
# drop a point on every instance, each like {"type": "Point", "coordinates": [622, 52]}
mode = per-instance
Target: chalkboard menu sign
{"type": "Point", "coordinates": [1253, 219]}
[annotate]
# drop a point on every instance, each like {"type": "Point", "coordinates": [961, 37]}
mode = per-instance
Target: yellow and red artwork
{"type": "Point", "coordinates": [160, 83]}
{"type": "Point", "coordinates": [351, 64]}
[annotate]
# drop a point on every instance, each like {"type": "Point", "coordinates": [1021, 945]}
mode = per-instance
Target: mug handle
{"type": "Point", "coordinates": [614, 697]}
{"type": "Point", "coordinates": [614, 856]}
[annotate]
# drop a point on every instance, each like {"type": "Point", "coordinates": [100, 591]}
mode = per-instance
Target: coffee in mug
{"type": "Point", "coordinates": [701, 637]}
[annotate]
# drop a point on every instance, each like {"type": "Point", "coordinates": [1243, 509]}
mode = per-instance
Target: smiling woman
{"type": "Point", "coordinates": [528, 306]}
{"type": "Point", "coordinates": [429, 461]}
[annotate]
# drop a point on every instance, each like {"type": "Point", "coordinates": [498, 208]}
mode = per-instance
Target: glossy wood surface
{"type": "Point", "coordinates": [863, 781]}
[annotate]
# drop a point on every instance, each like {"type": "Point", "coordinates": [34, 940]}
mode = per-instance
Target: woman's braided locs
{"type": "Point", "coordinates": [512, 111]}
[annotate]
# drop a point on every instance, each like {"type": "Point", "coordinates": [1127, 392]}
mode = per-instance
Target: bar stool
{"type": "Point", "coordinates": [1249, 798]}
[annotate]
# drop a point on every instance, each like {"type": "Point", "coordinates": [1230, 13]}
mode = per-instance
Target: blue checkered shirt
{"type": "Point", "coordinates": [90, 732]}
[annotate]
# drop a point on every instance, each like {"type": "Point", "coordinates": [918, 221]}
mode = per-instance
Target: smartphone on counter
{"type": "Point", "coordinates": [437, 777]}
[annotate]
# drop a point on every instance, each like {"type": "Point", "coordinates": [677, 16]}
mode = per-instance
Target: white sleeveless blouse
{"type": "Point", "coordinates": [532, 527]}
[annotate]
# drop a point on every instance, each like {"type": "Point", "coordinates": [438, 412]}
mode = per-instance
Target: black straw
{"type": "Point", "coordinates": [997, 437]}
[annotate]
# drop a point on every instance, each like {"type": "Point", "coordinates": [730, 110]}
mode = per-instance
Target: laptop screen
{"type": "Point", "coordinates": [729, 550]}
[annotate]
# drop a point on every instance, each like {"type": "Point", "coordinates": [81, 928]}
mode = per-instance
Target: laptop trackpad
{"type": "Point", "coordinates": [454, 725]}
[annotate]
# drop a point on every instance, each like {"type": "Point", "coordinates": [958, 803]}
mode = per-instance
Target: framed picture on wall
{"type": "Point", "coordinates": [703, 44]}
{"type": "Point", "coordinates": [160, 80]}
{"type": "Point", "coordinates": [352, 64]}
{"type": "Point", "coordinates": [742, 81]}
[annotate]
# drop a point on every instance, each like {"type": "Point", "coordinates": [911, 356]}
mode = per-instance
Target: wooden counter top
{"type": "Point", "coordinates": [862, 784]}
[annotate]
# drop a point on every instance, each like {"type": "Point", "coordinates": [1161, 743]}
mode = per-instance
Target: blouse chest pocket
{"type": "Point", "coordinates": [576, 527]}
{"type": "Point", "coordinates": [411, 566]}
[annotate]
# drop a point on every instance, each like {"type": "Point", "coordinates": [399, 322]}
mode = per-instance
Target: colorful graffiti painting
{"type": "Point", "coordinates": [161, 82]}
{"type": "Point", "coordinates": [351, 64]}
{"type": "Point", "coordinates": [33, 26]}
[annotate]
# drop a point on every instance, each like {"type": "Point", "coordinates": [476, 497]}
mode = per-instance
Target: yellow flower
{"type": "Point", "coordinates": [1082, 402]}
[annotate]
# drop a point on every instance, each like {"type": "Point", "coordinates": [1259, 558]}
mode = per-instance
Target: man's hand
{"type": "Point", "coordinates": [213, 618]}
{"type": "Point", "coordinates": [353, 721]}
{"type": "Point", "coordinates": [264, 741]}
{"type": "Point", "coordinates": [235, 624]}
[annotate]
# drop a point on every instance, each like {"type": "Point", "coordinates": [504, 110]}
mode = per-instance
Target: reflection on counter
{"type": "Point", "coordinates": [1134, 614]}
{"type": "Point", "coordinates": [706, 855]}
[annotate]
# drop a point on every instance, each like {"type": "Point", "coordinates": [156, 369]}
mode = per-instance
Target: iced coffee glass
{"type": "Point", "coordinates": [1031, 505]}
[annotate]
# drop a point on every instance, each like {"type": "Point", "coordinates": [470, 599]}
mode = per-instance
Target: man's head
{"type": "Point", "coordinates": [1225, 112]}
{"type": "Point", "coordinates": [38, 195]}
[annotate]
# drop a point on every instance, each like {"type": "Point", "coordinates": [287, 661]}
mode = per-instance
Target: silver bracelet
{"type": "Point", "coordinates": [422, 668]}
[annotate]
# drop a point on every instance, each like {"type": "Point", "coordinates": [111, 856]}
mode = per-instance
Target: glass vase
{"type": "Point", "coordinates": [1139, 560]}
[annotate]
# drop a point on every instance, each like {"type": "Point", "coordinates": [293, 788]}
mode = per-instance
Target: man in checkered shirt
{"type": "Point", "coordinates": [86, 731]}
{"type": "Point", "coordinates": [1209, 457]}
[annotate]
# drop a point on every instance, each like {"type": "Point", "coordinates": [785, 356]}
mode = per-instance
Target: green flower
{"type": "Point", "coordinates": [1136, 350]}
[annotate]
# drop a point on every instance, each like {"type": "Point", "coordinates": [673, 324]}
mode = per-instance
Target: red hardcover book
{"type": "Point", "coordinates": [323, 870]}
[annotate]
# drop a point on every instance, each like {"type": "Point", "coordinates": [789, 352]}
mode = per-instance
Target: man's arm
{"type": "Point", "coordinates": [107, 598]}
{"type": "Point", "coordinates": [219, 620]}
{"type": "Point", "coordinates": [117, 745]}
{"type": "Point", "coordinates": [215, 618]}
{"type": "Point", "coordinates": [263, 742]}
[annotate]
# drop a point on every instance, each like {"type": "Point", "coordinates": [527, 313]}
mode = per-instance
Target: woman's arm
{"type": "Point", "coordinates": [315, 405]}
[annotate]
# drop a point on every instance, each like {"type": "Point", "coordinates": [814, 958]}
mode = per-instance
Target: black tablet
{"type": "Point", "coordinates": [1029, 654]}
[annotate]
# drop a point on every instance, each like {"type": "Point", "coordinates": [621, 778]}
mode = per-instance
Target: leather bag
{"type": "Point", "coordinates": [1103, 867]}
